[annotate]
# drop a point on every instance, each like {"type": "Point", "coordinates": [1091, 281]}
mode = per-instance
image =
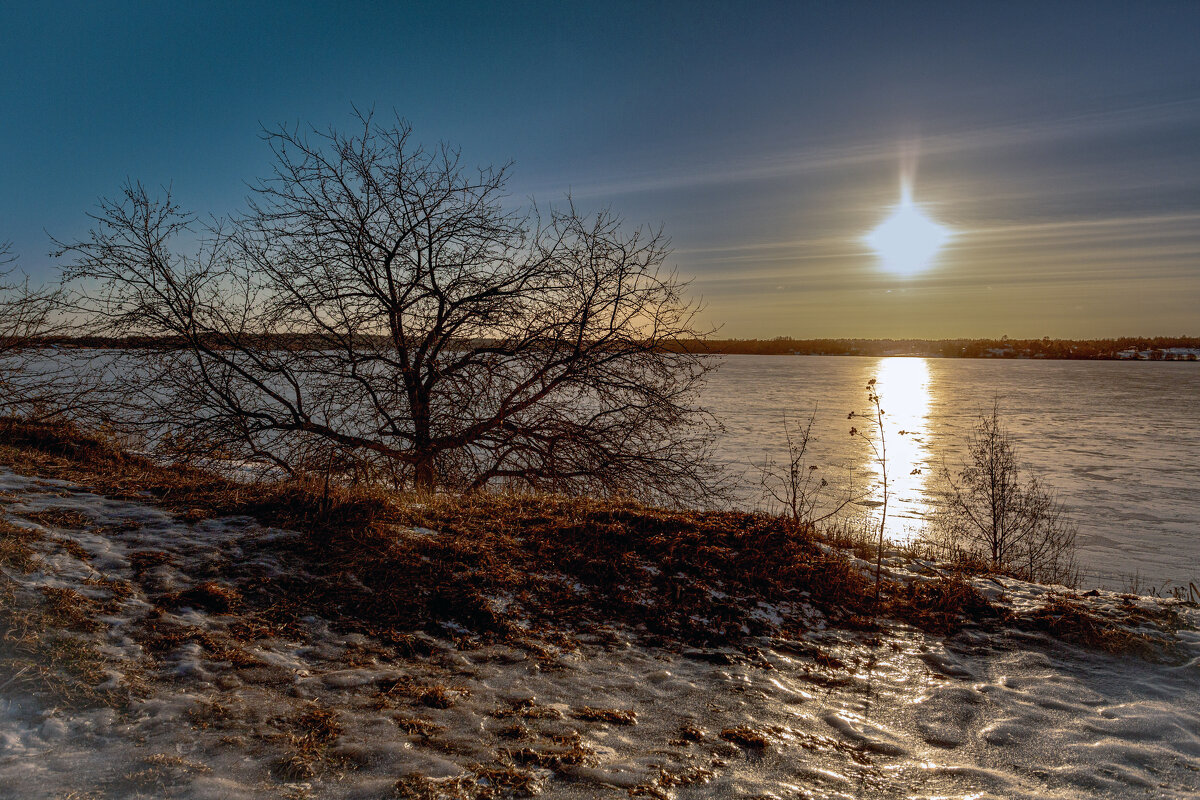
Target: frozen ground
{"type": "Point", "coordinates": [205, 702]}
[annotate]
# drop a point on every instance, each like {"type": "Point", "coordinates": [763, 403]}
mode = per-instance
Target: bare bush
{"type": "Point", "coordinates": [999, 514]}
{"type": "Point", "coordinates": [378, 314]}
{"type": "Point", "coordinates": [877, 442]}
{"type": "Point", "coordinates": [30, 381]}
{"type": "Point", "coordinates": [799, 487]}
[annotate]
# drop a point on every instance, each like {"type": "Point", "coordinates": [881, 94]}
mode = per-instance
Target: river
{"type": "Point", "coordinates": [1119, 441]}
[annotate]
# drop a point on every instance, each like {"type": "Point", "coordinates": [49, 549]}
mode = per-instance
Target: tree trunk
{"type": "Point", "coordinates": [424, 473]}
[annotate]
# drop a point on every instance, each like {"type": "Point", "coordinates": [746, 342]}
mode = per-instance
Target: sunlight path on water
{"type": "Point", "coordinates": [905, 396]}
{"type": "Point", "coordinates": [1118, 440]}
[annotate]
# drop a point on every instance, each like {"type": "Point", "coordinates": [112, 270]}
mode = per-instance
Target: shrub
{"type": "Point", "coordinates": [999, 513]}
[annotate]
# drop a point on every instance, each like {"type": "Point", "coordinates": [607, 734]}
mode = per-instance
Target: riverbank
{"type": "Point", "coordinates": [1137, 348]}
{"type": "Point", "coordinates": [1125, 348]}
{"type": "Point", "coordinates": [172, 633]}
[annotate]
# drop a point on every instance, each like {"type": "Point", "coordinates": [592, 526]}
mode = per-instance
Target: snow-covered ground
{"type": "Point", "coordinates": [231, 712]}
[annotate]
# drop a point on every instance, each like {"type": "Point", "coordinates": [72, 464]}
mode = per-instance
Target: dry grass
{"type": "Point", "coordinates": [436, 697]}
{"type": "Point", "coordinates": [566, 565]}
{"type": "Point", "coordinates": [65, 608]}
{"type": "Point", "coordinates": [526, 709]}
{"type": "Point", "coordinates": [16, 551]}
{"type": "Point", "coordinates": [143, 561]}
{"type": "Point", "coordinates": [1065, 618]}
{"type": "Point", "coordinates": [613, 716]}
{"type": "Point", "coordinates": [43, 649]}
{"type": "Point", "coordinates": [210, 596]}
{"type": "Point", "coordinates": [58, 518]}
{"type": "Point", "coordinates": [429, 695]}
{"type": "Point", "coordinates": [118, 591]}
{"type": "Point", "coordinates": [533, 571]}
{"type": "Point", "coordinates": [940, 606]}
{"type": "Point", "coordinates": [514, 731]}
{"type": "Point", "coordinates": [487, 782]}
{"type": "Point", "coordinates": [855, 535]}
{"type": "Point", "coordinates": [659, 788]}
{"type": "Point", "coordinates": [43, 653]}
{"type": "Point", "coordinates": [210, 713]}
{"type": "Point", "coordinates": [154, 775]}
{"type": "Point", "coordinates": [419, 787]}
{"type": "Point", "coordinates": [161, 635]}
{"type": "Point", "coordinates": [74, 548]}
{"type": "Point", "coordinates": [747, 737]}
{"type": "Point", "coordinates": [1071, 622]}
{"type": "Point", "coordinates": [307, 737]}
{"type": "Point", "coordinates": [417, 726]}
{"type": "Point", "coordinates": [553, 756]}
{"type": "Point", "coordinates": [505, 781]}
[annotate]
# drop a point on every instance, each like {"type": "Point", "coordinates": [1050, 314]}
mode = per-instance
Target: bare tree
{"type": "Point", "coordinates": [379, 312]}
{"type": "Point", "coordinates": [998, 513]}
{"type": "Point", "coordinates": [29, 379]}
{"type": "Point", "coordinates": [796, 486]}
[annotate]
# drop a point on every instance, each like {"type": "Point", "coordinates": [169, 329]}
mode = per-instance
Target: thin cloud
{"type": "Point", "coordinates": [797, 162]}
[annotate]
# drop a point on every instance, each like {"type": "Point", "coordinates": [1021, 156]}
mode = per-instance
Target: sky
{"type": "Point", "coordinates": [1059, 143]}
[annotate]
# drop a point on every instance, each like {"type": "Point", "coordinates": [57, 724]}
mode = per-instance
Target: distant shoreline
{"type": "Point", "coordinates": [1122, 349]}
{"type": "Point", "coordinates": [1161, 348]}
{"type": "Point", "coordinates": [1189, 357]}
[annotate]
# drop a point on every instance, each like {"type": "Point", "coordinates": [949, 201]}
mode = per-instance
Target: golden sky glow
{"type": "Point", "coordinates": [1058, 144]}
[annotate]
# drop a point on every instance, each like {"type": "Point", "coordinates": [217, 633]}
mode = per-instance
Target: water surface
{"type": "Point", "coordinates": [1119, 441]}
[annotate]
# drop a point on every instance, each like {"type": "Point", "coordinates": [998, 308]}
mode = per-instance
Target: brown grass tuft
{"type": "Point", "coordinates": [416, 726]}
{"type": "Point", "coordinates": [39, 652]}
{"type": "Point", "coordinates": [144, 560]}
{"type": "Point", "coordinates": [613, 716]}
{"type": "Point", "coordinates": [15, 547]}
{"type": "Point", "coordinates": [1063, 617]}
{"type": "Point", "coordinates": [307, 737]}
{"type": "Point", "coordinates": [208, 596]}
{"type": "Point", "coordinates": [419, 787]}
{"type": "Point", "coordinates": [941, 606]}
{"type": "Point", "coordinates": [526, 708]}
{"type": "Point", "coordinates": [487, 782]}
{"type": "Point", "coordinates": [505, 781]}
{"type": "Point", "coordinates": [67, 608]}
{"type": "Point", "coordinates": [745, 736]}
{"type": "Point", "coordinates": [436, 697]}
{"type": "Point", "coordinates": [553, 757]}
{"type": "Point", "coordinates": [157, 773]}
{"type": "Point", "coordinates": [161, 635]}
{"type": "Point", "coordinates": [58, 518]}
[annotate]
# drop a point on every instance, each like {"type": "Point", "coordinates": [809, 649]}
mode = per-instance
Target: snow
{"type": "Point", "coordinates": [980, 714]}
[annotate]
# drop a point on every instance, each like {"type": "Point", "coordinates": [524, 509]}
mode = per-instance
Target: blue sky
{"type": "Point", "coordinates": [1060, 141]}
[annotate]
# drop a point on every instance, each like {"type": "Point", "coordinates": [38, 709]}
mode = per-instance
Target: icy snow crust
{"type": "Point", "coordinates": [904, 714]}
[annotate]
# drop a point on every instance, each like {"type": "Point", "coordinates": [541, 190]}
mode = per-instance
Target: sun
{"type": "Point", "coordinates": [908, 240]}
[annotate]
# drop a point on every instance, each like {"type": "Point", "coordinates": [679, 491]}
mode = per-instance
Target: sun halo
{"type": "Point", "coordinates": [908, 240]}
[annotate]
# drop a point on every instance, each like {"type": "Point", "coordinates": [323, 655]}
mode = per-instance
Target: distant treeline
{"type": "Point", "coordinates": [1165, 348]}
{"type": "Point", "coordinates": [1153, 348]}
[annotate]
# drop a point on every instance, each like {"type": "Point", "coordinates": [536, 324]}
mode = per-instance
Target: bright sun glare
{"type": "Point", "coordinates": [908, 240]}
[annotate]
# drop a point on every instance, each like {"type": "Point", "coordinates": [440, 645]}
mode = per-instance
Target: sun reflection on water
{"type": "Point", "coordinates": [904, 391]}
